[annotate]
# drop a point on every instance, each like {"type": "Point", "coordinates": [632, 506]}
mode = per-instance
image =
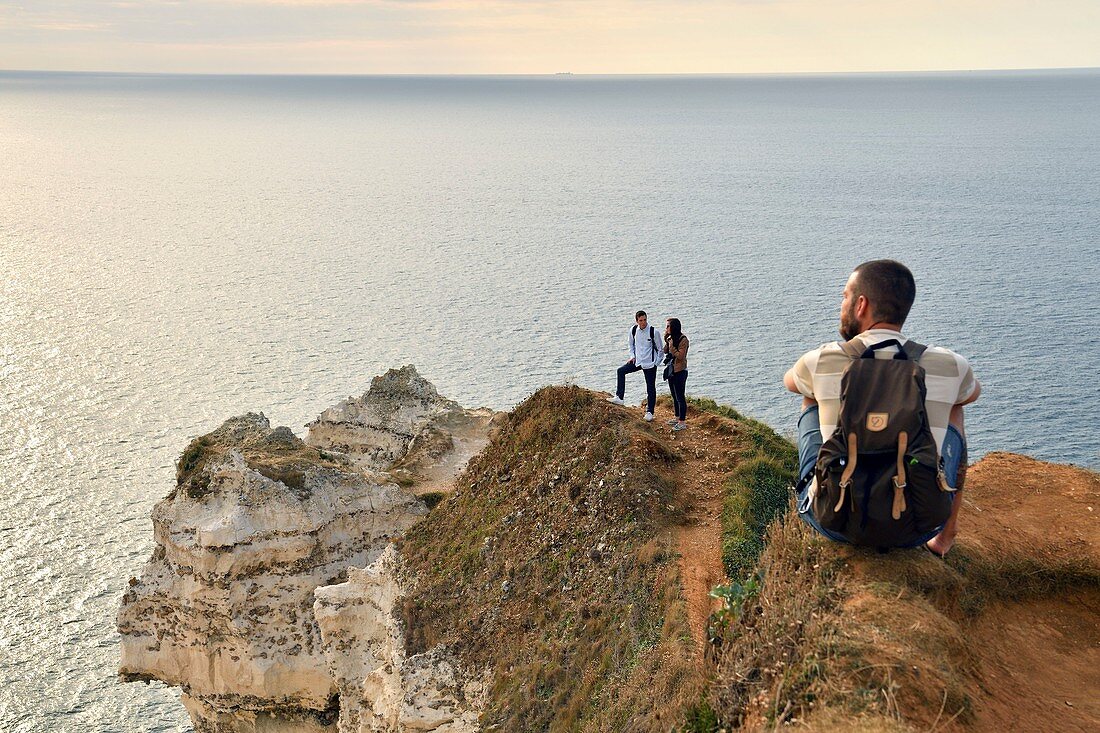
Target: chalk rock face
{"type": "Point", "coordinates": [402, 423]}
{"type": "Point", "coordinates": [224, 608]}
{"type": "Point", "coordinates": [380, 689]}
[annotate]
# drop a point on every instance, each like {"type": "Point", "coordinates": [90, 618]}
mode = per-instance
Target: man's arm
{"type": "Point", "coordinates": [973, 395]}
{"type": "Point", "coordinates": [802, 373]}
{"type": "Point", "coordinates": [633, 356]}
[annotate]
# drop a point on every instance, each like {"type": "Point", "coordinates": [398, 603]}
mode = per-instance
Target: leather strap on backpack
{"type": "Point", "coordinates": [846, 476]}
{"type": "Point", "coordinates": [899, 479]}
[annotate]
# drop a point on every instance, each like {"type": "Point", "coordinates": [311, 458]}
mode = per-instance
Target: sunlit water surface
{"type": "Point", "coordinates": [176, 250]}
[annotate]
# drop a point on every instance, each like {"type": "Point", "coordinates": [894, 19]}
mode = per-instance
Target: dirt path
{"type": "Point", "coordinates": [702, 474]}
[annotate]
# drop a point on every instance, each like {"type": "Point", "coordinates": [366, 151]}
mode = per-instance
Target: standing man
{"type": "Point", "coordinates": [874, 306]}
{"type": "Point", "coordinates": [646, 352]}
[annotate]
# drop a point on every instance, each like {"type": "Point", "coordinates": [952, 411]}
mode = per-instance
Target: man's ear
{"type": "Point", "coordinates": [863, 307]}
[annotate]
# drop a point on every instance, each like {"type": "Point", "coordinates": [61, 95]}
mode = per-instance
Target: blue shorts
{"type": "Point", "coordinates": [809, 444]}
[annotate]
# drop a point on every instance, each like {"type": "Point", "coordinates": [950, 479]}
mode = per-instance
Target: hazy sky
{"type": "Point", "coordinates": [543, 36]}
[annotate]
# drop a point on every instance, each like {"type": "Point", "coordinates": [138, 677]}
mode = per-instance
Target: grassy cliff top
{"type": "Point", "coordinates": [559, 561]}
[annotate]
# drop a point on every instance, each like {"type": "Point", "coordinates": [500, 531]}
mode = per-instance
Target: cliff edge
{"type": "Point", "coordinates": [564, 582]}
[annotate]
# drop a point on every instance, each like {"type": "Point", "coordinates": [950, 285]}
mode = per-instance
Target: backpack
{"type": "Point", "coordinates": [879, 480]}
{"type": "Point", "coordinates": [634, 334]}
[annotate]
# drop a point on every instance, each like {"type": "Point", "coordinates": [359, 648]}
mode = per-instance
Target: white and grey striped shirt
{"type": "Point", "coordinates": [948, 378]}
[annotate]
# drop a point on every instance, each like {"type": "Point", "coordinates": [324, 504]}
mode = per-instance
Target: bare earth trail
{"type": "Point", "coordinates": [706, 460]}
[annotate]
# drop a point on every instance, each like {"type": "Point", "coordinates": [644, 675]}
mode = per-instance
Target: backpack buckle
{"type": "Point", "coordinates": [899, 498]}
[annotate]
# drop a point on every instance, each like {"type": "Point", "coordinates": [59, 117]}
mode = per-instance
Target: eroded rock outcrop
{"type": "Point", "coordinates": [258, 522]}
{"type": "Point", "coordinates": [224, 608]}
{"type": "Point", "coordinates": [404, 426]}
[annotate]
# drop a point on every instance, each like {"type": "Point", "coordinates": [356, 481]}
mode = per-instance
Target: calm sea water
{"type": "Point", "coordinates": [176, 250]}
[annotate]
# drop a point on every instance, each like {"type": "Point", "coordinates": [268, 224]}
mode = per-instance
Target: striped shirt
{"type": "Point", "coordinates": [948, 378]}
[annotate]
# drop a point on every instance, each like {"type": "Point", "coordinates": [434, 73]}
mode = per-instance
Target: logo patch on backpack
{"type": "Point", "coordinates": [876, 421]}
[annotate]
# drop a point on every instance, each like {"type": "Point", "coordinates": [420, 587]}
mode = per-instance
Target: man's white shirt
{"type": "Point", "coordinates": [646, 354]}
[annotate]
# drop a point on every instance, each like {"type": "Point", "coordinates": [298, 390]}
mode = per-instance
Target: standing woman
{"type": "Point", "coordinates": [676, 346]}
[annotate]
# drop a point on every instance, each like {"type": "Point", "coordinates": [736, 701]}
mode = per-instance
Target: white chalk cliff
{"type": "Point", "coordinates": [380, 688]}
{"type": "Point", "coordinates": [269, 599]}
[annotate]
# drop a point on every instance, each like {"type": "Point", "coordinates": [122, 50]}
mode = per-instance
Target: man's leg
{"type": "Point", "coordinates": [809, 438]}
{"type": "Point", "coordinates": [651, 388]}
{"type": "Point", "coordinates": [809, 445]}
{"type": "Point", "coordinates": [620, 385]}
{"type": "Point", "coordinates": [954, 468]}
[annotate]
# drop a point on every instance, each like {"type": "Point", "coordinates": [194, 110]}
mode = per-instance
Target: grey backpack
{"type": "Point", "coordinates": [878, 475]}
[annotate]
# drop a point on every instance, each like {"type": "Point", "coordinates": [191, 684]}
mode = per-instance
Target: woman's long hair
{"type": "Point", "coordinates": [674, 331]}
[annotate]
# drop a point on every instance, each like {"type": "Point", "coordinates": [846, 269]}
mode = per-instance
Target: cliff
{"type": "Point", "coordinates": [257, 522]}
{"type": "Point", "coordinates": [564, 582]}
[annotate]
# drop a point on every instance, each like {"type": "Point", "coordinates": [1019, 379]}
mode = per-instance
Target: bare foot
{"type": "Point", "coordinates": [941, 543]}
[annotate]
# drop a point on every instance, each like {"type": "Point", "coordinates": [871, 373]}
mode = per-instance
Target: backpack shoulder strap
{"type": "Point", "coordinates": [652, 343]}
{"type": "Point", "coordinates": [853, 348]}
{"type": "Point", "coordinates": [914, 350]}
{"type": "Point", "coordinates": [634, 330]}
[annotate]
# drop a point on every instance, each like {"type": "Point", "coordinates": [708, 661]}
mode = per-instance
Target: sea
{"type": "Point", "coordinates": [176, 250]}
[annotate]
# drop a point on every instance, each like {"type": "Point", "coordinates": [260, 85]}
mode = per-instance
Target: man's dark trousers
{"type": "Point", "coordinates": [650, 382]}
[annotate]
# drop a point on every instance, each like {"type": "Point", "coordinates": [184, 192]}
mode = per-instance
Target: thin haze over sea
{"type": "Point", "coordinates": [180, 249]}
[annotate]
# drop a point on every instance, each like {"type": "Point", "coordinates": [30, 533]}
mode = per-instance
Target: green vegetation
{"type": "Point", "coordinates": [757, 490]}
{"type": "Point", "coordinates": [432, 498]}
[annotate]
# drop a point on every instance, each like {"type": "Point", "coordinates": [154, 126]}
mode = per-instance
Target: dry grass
{"type": "Point", "coordinates": [549, 566]}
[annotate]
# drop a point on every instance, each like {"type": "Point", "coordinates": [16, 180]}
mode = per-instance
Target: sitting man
{"type": "Point", "coordinates": [876, 301]}
{"type": "Point", "coordinates": [646, 348]}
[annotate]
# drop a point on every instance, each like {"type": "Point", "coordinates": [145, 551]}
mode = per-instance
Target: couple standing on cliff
{"type": "Point", "coordinates": [646, 352]}
{"type": "Point", "coordinates": [881, 443]}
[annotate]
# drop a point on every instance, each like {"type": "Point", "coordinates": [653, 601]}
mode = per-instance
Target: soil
{"type": "Point", "coordinates": [1018, 506]}
{"type": "Point", "coordinates": [1040, 664]}
{"type": "Point", "coordinates": [1038, 659]}
{"type": "Point", "coordinates": [700, 478]}
{"type": "Point", "coordinates": [436, 474]}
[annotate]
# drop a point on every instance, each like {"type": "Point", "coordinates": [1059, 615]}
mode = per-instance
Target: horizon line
{"type": "Point", "coordinates": [282, 74]}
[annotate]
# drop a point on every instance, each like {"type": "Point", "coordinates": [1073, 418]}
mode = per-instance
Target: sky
{"type": "Point", "coordinates": [546, 36]}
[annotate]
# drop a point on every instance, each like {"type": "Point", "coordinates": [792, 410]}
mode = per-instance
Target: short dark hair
{"type": "Point", "coordinates": [638, 315]}
{"type": "Point", "coordinates": [890, 288]}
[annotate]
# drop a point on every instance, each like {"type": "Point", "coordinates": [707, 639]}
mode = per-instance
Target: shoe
{"type": "Point", "coordinates": [615, 400]}
{"type": "Point", "coordinates": [934, 552]}
{"type": "Point", "coordinates": [648, 417]}
{"type": "Point", "coordinates": [673, 421]}
{"type": "Point", "coordinates": [679, 426]}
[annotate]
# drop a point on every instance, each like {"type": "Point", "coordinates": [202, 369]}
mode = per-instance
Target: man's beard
{"type": "Point", "coordinates": [849, 326]}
